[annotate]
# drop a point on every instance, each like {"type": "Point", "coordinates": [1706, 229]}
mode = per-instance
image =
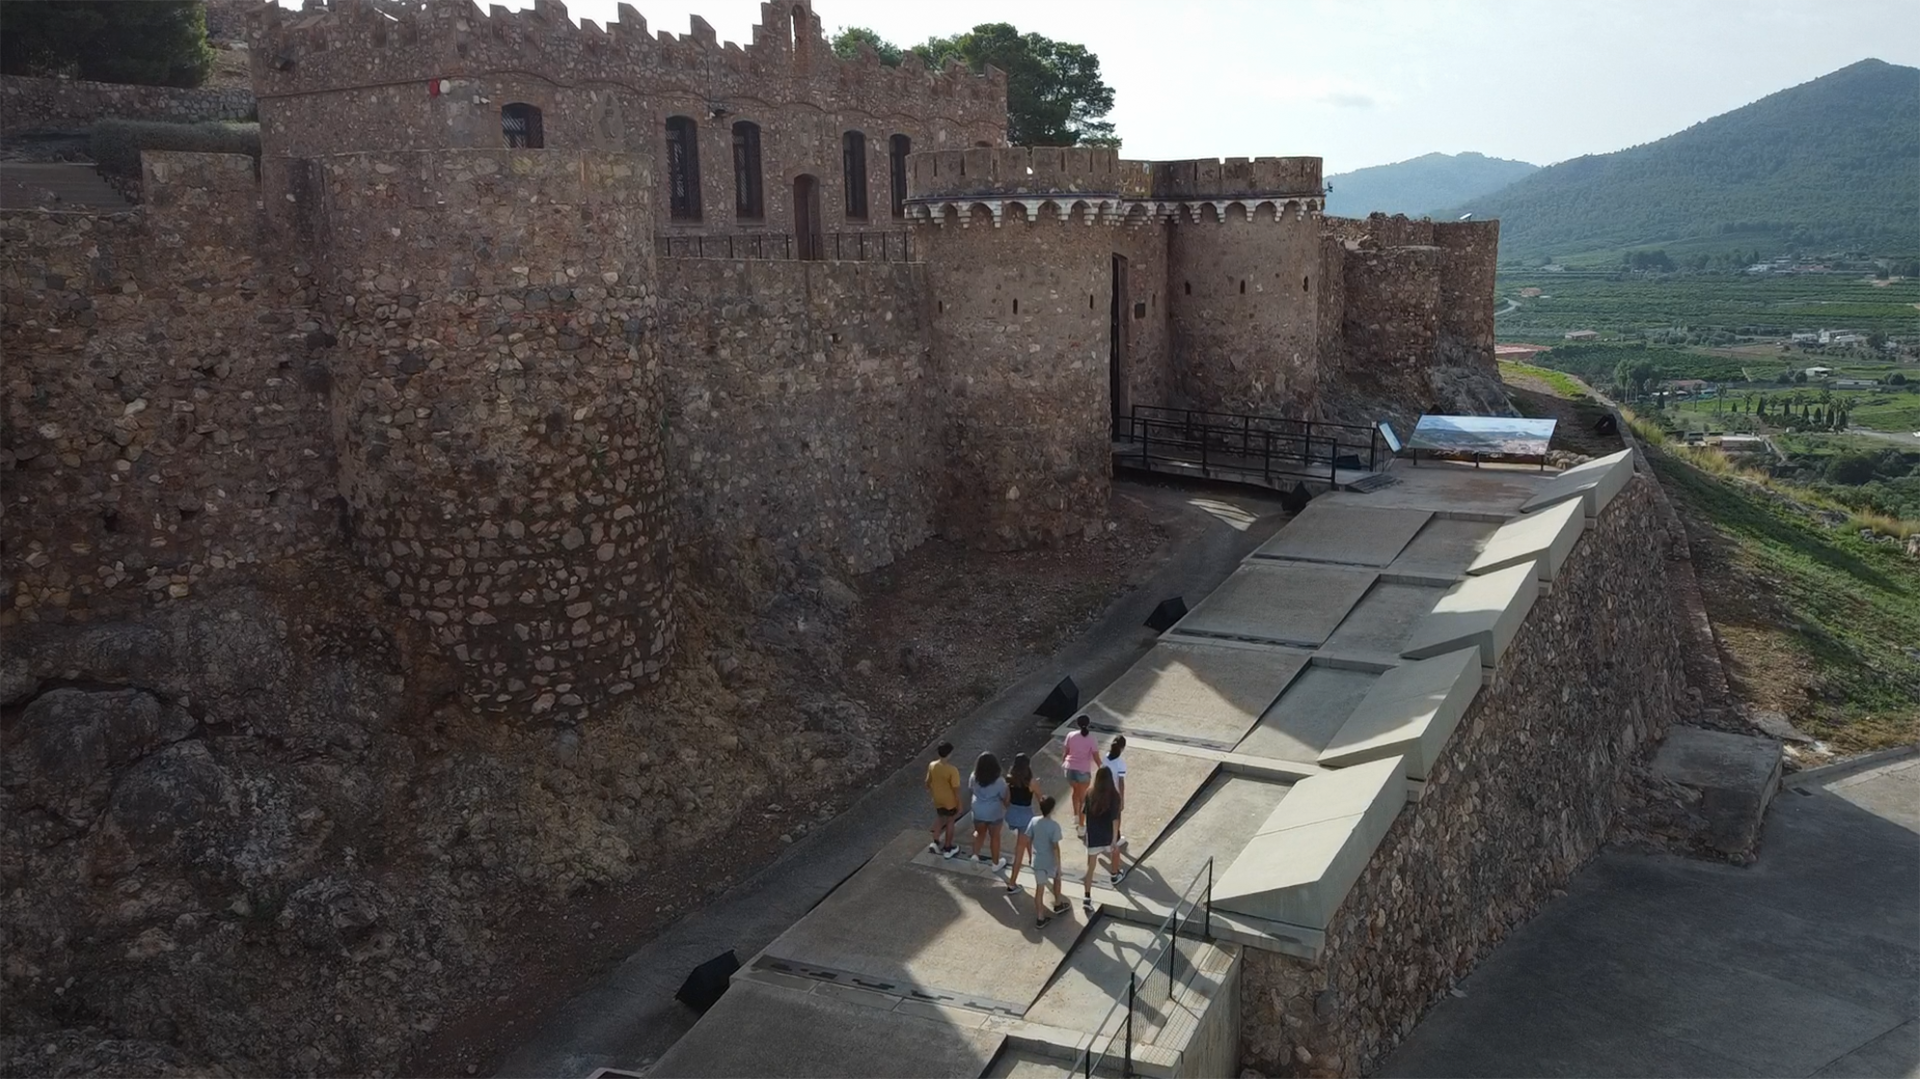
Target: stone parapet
{"type": "Point", "coordinates": [30, 104]}
{"type": "Point", "coordinates": [1236, 177]}
{"type": "Point", "coordinates": [353, 44]}
{"type": "Point", "coordinates": [1014, 170]}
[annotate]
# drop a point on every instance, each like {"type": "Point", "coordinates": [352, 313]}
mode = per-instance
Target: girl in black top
{"type": "Point", "coordinates": [1103, 817]}
{"type": "Point", "coordinates": [1021, 796]}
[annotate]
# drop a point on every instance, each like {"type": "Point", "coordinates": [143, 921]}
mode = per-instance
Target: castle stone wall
{"type": "Point", "coordinates": [1519, 799]}
{"type": "Point", "coordinates": [1469, 255]}
{"type": "Point", "coordinates": [30, 104]}
{"type": "Point", "coordinates": [1021, 343]}
{"type": "Point", "coordinates": [1393, 307]}
{"type": "Point", "coordinates": [804, 409]}
{"type": "Point", "coordinates": [1148, 377]}
{"type": "Point", "coordinates": [165, 411]}
{"type": "Point", "coordinates": [1207, 177]}
{"type": "Point", "coordinates": [1015, 170]}
{"type": "Point", "coordinates": [498, 411]}
{"type": "Point", "coordinates": [437, 76]}
{"type": "Point", "coordinates": [1244, 311]}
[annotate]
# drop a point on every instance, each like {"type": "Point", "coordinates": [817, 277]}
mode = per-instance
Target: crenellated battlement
{"type": "Point", "coordinates": [1236, 177]}
{"type": "Point", "coordinates": [350, 44]}
{"type": "Point", "coordinates": [1092, 184]}
{"type": "Point", "coordinates": [999, 171]}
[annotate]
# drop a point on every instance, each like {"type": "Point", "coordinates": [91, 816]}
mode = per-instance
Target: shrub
{"type": "Point", "coordinates": [116, 144]}
{"type": "Point", "coordinates": [1851, 469]}
{"type": "Point", "coordinates": [151, 42]}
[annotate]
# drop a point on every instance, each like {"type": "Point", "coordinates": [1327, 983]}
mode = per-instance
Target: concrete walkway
{"type": "Point", "coordinates": [1806, 963]}
{"type": "Point", "coordinates": [631, 1017]}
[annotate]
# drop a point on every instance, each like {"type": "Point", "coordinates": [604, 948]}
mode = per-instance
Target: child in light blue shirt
{"type": "Point", "coordinates": [1044, 834]}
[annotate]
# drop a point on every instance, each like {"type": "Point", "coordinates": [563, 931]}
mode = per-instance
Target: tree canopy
{"type": "Point", "coordinates": [1055, 95]}
{"type": "Point", "coordinates": [153, 42]}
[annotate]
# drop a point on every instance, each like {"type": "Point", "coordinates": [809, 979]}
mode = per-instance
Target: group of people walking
{"type": "Point", "coordinates": [1014, 801]}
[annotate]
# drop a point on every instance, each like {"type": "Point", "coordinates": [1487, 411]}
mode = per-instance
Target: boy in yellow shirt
{"type": "Point", "coordinates": [943, 783]}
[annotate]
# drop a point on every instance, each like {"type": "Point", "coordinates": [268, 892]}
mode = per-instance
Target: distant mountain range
{"type": "Point", "coordinates": [1832, 164]}
{"type": "Point", "coordinates": [1421, 186]}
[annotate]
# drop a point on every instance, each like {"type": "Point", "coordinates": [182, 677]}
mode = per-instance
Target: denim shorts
{"type": "Point", "coordinates": [1079, 777]}
{"type": "Point", "coordinates": [1018, 817]}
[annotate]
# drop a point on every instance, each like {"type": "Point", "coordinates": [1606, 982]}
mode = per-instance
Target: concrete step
{"type": "Point", "coordinates": [57, 186]}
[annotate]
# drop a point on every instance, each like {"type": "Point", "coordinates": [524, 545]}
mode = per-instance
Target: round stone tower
{"type": "Point", "coordinates": [497, 412]}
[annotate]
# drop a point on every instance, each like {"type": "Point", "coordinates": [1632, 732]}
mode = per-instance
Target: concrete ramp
{"type": "Point", "coordinates": [1344, 533]}
{"type": "Point", "coordinates": [1210, 693]}
{"type": "Point", "coordinates": [1288, 603]}
{"type": "Point", "coordinates": [1308, 714]}
{"type": "Point", "coordinates": [1445, 548]}
{"type": "Point", "coordinates": [1484, 612]}
{"type": "Point", "coordinates": [1594, 484]}
{"type": "Point", "coordinates": [1410, 712]}
{"type": "Point", "coordinates": [1314, 846]}
{"type": "Point", "coordinates": [1545, 538]}
{"type": "Point", "coordinates": [762, 1029]}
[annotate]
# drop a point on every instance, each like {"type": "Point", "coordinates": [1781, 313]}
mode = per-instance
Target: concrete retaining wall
{"type": "Point", "coordinates": [1518, 799]}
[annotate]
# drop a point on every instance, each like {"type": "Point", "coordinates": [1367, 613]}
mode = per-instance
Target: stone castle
{"type": "Point", "coordinates": [523, 313]}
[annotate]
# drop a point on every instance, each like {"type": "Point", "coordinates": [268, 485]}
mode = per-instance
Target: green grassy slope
{"type": "Point", "coordinates": [1818, 622]}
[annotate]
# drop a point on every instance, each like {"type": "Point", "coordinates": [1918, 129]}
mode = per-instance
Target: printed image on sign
{"type": "Point", "coordinates": [1506, 435]}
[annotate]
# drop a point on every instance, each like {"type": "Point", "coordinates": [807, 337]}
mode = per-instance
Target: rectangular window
{"type": "Point", "coordinates": [900, 146]}
{"type": "Point", "coordinates": [747, 200]}
{"type": "Point", "coordinates": [853, 169]}
{"type": "Point", "coordinates": [683, 169]}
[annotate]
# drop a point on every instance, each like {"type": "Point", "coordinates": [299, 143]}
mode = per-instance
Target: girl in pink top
{"type": "Point", "coordinates": [1080, 755]}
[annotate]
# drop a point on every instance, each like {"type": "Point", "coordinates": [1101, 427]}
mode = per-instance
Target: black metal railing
{"type": "Point", "coordinates": [1355, 445]}
{"type": "Point", "coordinates": [894, 245]}
{"type": "Point", "coordinates": [1158, 967]}
{"type": "Point", "coordinates": [1242, 453]}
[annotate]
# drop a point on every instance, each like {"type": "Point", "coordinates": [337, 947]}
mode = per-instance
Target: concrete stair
{"type": "Point", "coordinates": [57, 186]}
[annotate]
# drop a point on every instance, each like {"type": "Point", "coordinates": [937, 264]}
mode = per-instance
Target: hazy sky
{"type": "Point", "coordinates": [1366, 82]}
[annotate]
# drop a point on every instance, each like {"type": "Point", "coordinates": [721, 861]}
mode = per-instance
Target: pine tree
{"type": "Point", "coordinates": [152, 42]}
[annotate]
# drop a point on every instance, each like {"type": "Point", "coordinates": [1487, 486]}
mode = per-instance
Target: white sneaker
{"type": "Point", "coordinates": [1116, 878]}
{"type": "Point", "coordinates": [949, 852]}
{"type": "Point", "coordinates": [1000, 863]}
{"type": "Point", "coordinates": [933, 848]}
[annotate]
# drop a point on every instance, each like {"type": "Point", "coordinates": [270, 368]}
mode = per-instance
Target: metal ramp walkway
{"type": "Point", "coordinates": [1261, 451]}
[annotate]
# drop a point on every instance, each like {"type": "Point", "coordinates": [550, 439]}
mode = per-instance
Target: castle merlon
{"type": "Point", "coordinates": [1003, 172]}
{"type": "Point", "coordinates": [349, 44]}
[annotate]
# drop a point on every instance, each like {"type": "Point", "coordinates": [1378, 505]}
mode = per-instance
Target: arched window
{"type": "Point", "coordinates": [683, 169]}
{"type": "Point", "coordinates": [898, 149]}
{"type": "Point", "coordinates": [520, 124]}
{"type": "Point", "coordinates": [747, 200]}
{"type": "Point", "coordinates": [853, 170]}
{"type": "Point", "coordinates": [801, 35]}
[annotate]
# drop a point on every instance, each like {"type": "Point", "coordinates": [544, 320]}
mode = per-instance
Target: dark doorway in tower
{"type": "Point", "coordinates": [1117, 343]}
{"type": "Point", "coordinates": [806, 216]}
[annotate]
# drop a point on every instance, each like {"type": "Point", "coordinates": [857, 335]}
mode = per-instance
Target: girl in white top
{"type": "Point", "coordinates": [1117, 764]}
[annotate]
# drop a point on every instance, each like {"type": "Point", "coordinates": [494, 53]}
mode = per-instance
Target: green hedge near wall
{"type": "Point", "coordinates": [116, 144]}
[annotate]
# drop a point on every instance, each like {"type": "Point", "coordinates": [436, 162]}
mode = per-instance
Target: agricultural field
{"type": "Point", "coordinates": [1728, 304]}
{"type": "Point", "coordinates": [1896, 411]}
